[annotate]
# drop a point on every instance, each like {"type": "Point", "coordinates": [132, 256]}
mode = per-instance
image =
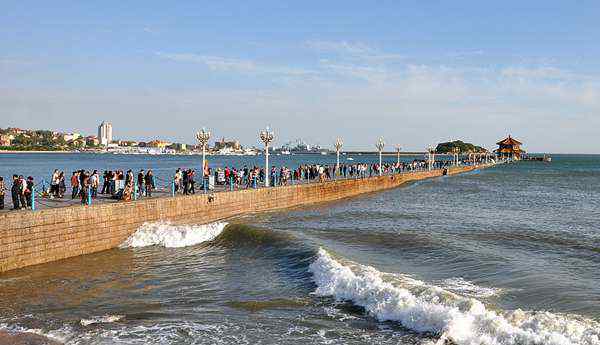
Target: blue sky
{"type": "Point", "coordinates": [415, 72]}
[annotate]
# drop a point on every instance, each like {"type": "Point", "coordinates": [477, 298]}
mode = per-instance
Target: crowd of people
{"type": "Point", "coordinates": [21, 192]}
{"type": "Point", "coordinates": [126, 185]}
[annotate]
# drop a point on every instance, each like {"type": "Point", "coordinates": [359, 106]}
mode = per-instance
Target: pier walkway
{"type": "Point", "coordinates": [164, 188]}
{"type": "Point", "coordinates": [34, 237]}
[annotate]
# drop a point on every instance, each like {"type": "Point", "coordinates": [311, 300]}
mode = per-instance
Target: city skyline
{"type": "Point", "coordinates": [414, 73]}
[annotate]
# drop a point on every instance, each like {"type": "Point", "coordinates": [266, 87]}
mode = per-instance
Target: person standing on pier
{"type": "Point", "coordinates": [94, 183]}
{"type": "Point", "coordinates": [28, 192]}
{"type": "Point", "coordinates": [185, 180]}
{"type": "Point", "coordinates": [2, 191]}
{"type": "Point", "coordinates": [15, 191]}
{"type": "Point", "coordinates": [105, 182]}
{"type": "Point", "coordinates": [22, 189]}
{"type": "Point", "coordinates": [54, 181]}
{"type": "Point", "coordinates": [140, 182]}
{"type": "Point", "coordinates": [74, 184]}
{"type": "Point", "coordinates": [84, 181]}
{"type": "Point", "coordinates": [191, 181]}
{"type": "Point", "coordinates": [149, 182]}
{"type": "Point", "coordinates": [62, 188]}
{"type": "Point", "coordinates": [177, 180]}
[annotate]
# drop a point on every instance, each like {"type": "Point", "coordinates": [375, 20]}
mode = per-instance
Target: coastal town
{"type": "Point", "coordinates": [27, 140]}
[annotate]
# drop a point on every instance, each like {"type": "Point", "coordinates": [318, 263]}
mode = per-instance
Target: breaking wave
{"type": "Point", "coordinates": [173, 236]}
{"type": "Point", "coordinates": [101, 319]}
{"type": "Point", "coordinates": [430, 309]}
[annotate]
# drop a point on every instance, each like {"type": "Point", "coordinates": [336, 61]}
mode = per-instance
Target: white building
{"type": "Point", "coordinates": [71, 136]}
{"type": "Point", "coordinates": [105, 133]}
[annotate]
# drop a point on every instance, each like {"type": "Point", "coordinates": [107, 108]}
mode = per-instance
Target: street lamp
{"type": "Point", "coordinates": [380, 144]}
{"type": "Point", "coordinates": [338, 146]}
{"type": "Point", "coordinates": [202, 136]}
{"type": "Point", "coordinates": [398, 148]}
{"type": "Point", "coordinates": [431, 153]}
{"type": "Point", "coordinates": [266, 136]}
{"type": "Point", "coordinates": [456, 153]}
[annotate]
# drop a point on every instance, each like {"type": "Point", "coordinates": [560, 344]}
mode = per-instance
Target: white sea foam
{"type": "Point", "coordinates": [101, 319]}
{"type": "Point", "coordinates": [62, 335]}
{"type": "Point", "coordinates": [467, 288]}
{"type": "Point", "coordinates": [173, 236]}
{"type": "Point", "coordinates": [431, 309]}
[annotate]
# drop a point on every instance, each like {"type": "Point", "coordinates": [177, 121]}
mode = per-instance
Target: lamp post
{"type": "Point", "coordinates": [338, 146]}
{"type": "Point", "coordinates": [431, 154]}
{"type": "Point", "coordinates": [266, 136]}
{"type": "Point", "coordinates": [456, 155]}
{"type": "Point", "coordinates": [380, 144]}
{"type": "Point", "coordinates": [202, 136]}
{"type": "Point", "coordinates": [398, 148]}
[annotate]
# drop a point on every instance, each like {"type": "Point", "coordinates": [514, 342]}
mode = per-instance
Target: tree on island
{"type": "Point", "coordinates": [448, 147]}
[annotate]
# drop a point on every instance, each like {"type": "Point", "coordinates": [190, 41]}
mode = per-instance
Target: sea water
{"type": "Point", "coordinates": [507, 255]}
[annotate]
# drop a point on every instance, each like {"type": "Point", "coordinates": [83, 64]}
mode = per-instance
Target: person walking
{"type": "Point", "coordinates": [2, 192]}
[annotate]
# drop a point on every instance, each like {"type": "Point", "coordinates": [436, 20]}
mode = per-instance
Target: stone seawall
{"type": "Point", "coordinates": [29, 238]}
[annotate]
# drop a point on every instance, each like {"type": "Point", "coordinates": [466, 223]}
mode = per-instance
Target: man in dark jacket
{"type": "Point", "coordinates": [140, 182]}
{"type": "Point", "coordinates": [15, 191]}
{"type": "Point", "coordinates": [2, 191]}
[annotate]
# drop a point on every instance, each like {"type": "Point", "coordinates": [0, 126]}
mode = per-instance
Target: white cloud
{"type": "Point", "coordinates": [543, 72]}
{"type": "Point", "coordinates": [352, 50]}
{"type": "Point", "coordinates": [224, 64]}
{"type": "Point", "coordinates": [343, 47]}
{"type": "Point", "coordinates": [215, 63]}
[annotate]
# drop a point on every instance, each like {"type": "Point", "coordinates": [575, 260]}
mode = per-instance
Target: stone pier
{"type": "Point", "coordinates": [35, 237]}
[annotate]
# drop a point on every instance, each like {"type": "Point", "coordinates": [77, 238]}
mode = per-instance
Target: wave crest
{"type": "Point", "coordinates": [431, 309]}
{"type": "Point", "coordinates": [172, 236]}
{"type": "Point", "coordinates": [101, 319]}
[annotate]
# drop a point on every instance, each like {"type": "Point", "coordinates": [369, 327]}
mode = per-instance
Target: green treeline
{"type": "Point", "coordinates": [448, 147]}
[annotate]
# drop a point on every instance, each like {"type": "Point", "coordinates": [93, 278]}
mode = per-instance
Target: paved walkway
{"type": "Point", "coordinates": [161, 192]}
{"type": "Point", "coordinates": [44, 202]}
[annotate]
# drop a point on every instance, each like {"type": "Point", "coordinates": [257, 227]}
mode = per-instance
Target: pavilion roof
{"type": "Point", "coordinates": [509, 141]}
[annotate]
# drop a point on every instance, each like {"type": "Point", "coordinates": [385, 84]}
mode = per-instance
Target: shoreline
{"type": "Point", "coordinates": [12, 151]}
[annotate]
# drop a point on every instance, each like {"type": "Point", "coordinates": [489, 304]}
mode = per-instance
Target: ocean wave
{"type": "Point", "coordinates": [172, 236]}
{"type": "Point", "coordinates": [16, 334]}
{"type": "Point", "coordinates": [101, 319]}
{"type": "Point", "coordinates": [237, 235]}
{"type": "Point", "coordinates": [467, 288]}
{"type": "Point", "coordinates": [431, 309]}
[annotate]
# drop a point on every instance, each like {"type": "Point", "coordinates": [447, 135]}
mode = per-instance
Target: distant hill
{"type": "Point", "coordinates": [448, 147]}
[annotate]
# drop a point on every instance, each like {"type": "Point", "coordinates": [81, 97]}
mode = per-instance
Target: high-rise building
{"type": "Point", "coordinates": [105, 133]}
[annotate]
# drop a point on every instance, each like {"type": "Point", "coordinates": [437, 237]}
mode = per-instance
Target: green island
{"type": "Point", "coordinates": [450, 146]}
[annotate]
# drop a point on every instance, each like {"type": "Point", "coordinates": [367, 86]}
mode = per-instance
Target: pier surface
{"type": "Point", "coordinates": [34, 237]}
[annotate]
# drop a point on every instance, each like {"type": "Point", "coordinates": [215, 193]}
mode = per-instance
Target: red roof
{"type": "Point", "coordinates": [509, 141]}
